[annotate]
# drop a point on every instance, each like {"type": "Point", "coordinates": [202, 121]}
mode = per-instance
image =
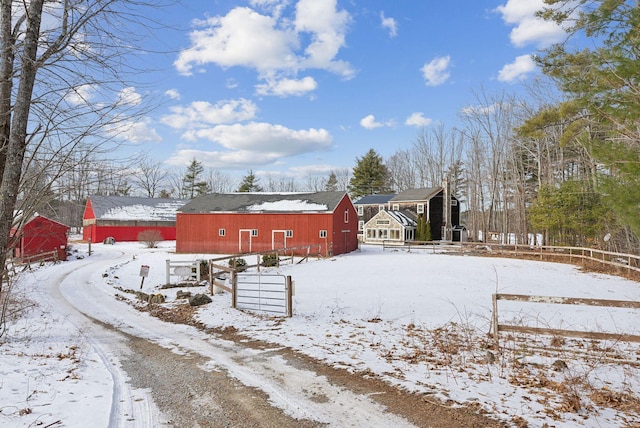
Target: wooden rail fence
{"type": "Point", "coordinates": [497, 327]}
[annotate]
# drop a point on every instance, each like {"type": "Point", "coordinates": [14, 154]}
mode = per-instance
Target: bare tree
{"type": "Point", "coordinates": [73, 90]}
{"type": "Point", "coordinates": [219, 182]}
{"type": "Point", "coordinates": [150, 176]}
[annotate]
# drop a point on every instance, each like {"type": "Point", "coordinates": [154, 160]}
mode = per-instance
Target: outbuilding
{"type": "Point", "coordinates": [125, 218]}
{"type": "Point", "coordinates": [240, 223]}
{"type": "Point", "coordinates": [39, 238]}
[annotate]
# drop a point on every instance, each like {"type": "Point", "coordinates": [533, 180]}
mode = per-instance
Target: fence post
{"type": "Point", "coordinates": [234, 289]}
{"type": "Point", "coordinates": [168, 271]}
{"type": "Point", "coordinates": [210, 277]}
{"type": "Point", "coordinates": [494, 320]}
{"type": "Point", "coordinates": [289, 289]}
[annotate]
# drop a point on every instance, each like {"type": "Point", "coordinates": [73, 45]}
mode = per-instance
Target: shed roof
{"type": "Point", "coordinates": [132, 208]}
{"type": "Point", "coordinates": [264, 202]}
{"type": "Point", "coordinates": [375, 199]}
{"type": "Point", "coordinates": [423, 194]}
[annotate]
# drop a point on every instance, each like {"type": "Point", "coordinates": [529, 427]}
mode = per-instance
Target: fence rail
{"type": "Point", "coordinates": [630, 262]}
{"type": "Point", "coordinates": [497, 327]}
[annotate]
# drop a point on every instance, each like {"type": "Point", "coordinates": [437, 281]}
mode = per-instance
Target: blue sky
{"type": "Point", "coordinates": [303, 87]}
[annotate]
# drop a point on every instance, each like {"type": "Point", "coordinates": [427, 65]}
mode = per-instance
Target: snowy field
{"type": "Point", "coordinates": [419, 320]}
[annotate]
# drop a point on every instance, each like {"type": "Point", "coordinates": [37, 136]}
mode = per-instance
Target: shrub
{"type": "Point", "coordinates": [204, 270]}
{"type": "Point", "coordinates": [150, 237]}
{"type": "Point", "coordinates": [270, 259]}
{"type": "Point", "coordinates": [238, 264]}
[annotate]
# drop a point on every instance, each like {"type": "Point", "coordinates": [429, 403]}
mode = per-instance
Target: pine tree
{"type": "Point", "coordinates": [602, 80]}
{"type": "Point", "coordinates": [423, 229]}
{"type": "Point", "coordinates": [332, 183]}
{"type": "Point", "coordinates": [250, 183]}
{"type": "Point", "coordinates": [370, 176]}
{"type": "Point", "coordinates": [192, 182]}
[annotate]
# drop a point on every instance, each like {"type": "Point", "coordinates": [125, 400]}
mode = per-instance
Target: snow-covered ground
{"type": "Point", "coordinates": [418, 319]}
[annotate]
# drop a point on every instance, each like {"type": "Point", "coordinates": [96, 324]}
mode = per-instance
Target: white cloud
{"type": "Point", "coordinates": [271, 44]}
{"type": "Point", "coordinates": [418, 119]}
{"type": "Point", "coordinates": [202, 113]}
{"type": "Point", "coordinates": [129, 96]}
{"type": "Point", "coordinates": [518, 69]}
{"type": "Point", "coordinates": [173, 94]}
{"type": "Point", "coordinates": [390, 24]}
{"type": "Point", "coordinates": [327, 27]}
{"type": "Point", "coordinates": [286, 87]}
{"type": "Point", "coordinates": [254, 143]}
{"type": "Point", "coordinates": [138, 131]}
{"type": "Point", "coordinates": [80, 95]}
{"type": "Point", "coordinates": [529, 29]}
{"type": "Point", "coordinates": [436, 72]}
{"type": "Point", "coordinates": [369, 122]}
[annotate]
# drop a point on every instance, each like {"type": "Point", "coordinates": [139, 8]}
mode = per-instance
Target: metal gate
{"type": "Point", "coordinates": [264, 293]}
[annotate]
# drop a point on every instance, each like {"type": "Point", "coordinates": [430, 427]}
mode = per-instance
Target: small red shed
{"type": "Point", "coordinates": [40, 235]}
{"type": "Point", "coordinates": [237, 223]}
{"type": "Point", "coordinates": [124, 218]}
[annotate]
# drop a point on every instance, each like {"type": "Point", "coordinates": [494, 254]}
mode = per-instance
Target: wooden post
{"type": "Point", "coordinates": [210, 278]}
{"type": "Point", "coordinates": [494, 320]}
{"type": "Point", "coordinates": [234, 289]}
{"type": "Point", "coordinates": [289, 289]}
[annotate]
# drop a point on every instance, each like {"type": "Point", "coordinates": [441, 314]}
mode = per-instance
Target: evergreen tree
{"type": "Point", "coordinates": [602, 80]}
{"type": "Point", "coordinates": [571, 214]}
{"type": "Point", "coordinates": [193, 184]}
{"type": "Point", "coordinates": [250, 183]}
{"type": "Point", "coordinates": [423, 229]}
{"type": "Point", "coordinates": [332, 183]}
{"type": "Point", "coordinates": [370, 176]}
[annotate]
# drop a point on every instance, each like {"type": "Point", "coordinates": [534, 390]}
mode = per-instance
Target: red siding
{"type": "Point", "coordinates": [199, 233]}
{"type": "Point", "coordinates": [42, 235]}
{"type": "Point", "coordinates": [98, 233]}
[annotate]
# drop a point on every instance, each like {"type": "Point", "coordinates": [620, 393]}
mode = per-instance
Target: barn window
{"type": "Point", "coordinates": [323, 233]}
{"type": "Point", "coordinates": [254, 232]}
{"type": "Point", "coordinates": [360, 210]}
{"type": "Point", "coordinates": [222, 232]}
{"type": "Point", "coordinates": [346, 216]}
{"type": "Point", "coordinates": [289, 233]}
{"type": "Point", "coordinates": [420, 208]}
{"type": "Point", "coordinates": [361, 225]}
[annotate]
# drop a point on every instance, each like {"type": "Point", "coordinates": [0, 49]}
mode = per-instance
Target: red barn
{"type": "Point", "coordinates": [40, 235]}
{"type": "Point", "coordinates": [123, 218]}
{"type": "Point", "coordinates": [235, 223]}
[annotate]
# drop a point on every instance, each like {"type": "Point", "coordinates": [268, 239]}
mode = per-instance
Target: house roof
{"type": "Point", "coordinates": [375, 199]}
{"type": "Point", "coordinates": [405, 218]}
{"type": "Point", "coordinates": [423, 194]}
{"type": "Point", "coordinates": [131, 208]}
{"type": "Point", "coordinates": [264, 202]}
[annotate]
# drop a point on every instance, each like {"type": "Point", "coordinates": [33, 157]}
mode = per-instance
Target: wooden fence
{"type": "Point", "coordinates": [497, 327]}
{"type": "Point", "coordinates": [630, 262]}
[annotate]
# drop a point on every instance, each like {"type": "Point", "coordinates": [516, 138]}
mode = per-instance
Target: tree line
{"type": "Point", "coordinates": [562, 163]}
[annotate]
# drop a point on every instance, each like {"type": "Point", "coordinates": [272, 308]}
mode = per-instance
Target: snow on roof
{"type": "Point", "coordinates": [131, 208]}
{"type": "Point", "coordinates": [288, 205]}
{"type": "Point", "coordinates": [161, 211]}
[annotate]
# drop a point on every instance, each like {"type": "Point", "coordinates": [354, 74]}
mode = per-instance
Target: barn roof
{"type": "Point", "coordinates": [264, 202]}
{"type": "Point", "coordinates": [423, 194]}
{"type": "Point", "coordinates": [131, 208]}
{"type": "Point", "coordinates": [375, 199]}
